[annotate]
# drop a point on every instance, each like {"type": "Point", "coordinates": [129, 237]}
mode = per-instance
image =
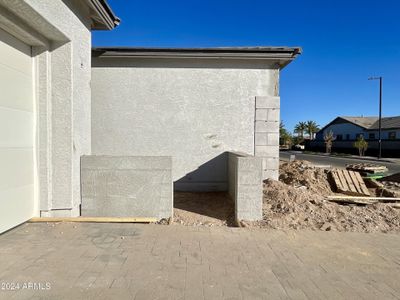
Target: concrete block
{"type": "Point", "coordinates": [262, 114]}
{"type": "Point", "coordinates": [270, 163]}
{"type": "Point", "coordinates": [249, 202]}
{"type": "Point", "coordinates": [248, 178]}
{"type": "Point", "coordinates": [273, 139]}
{"type": "Point", "coordinates": [270, 174]}
{"type": "Point", "coordinates": [248, 163]}
{"type": "Point", "coordinates": [267, 151]}
{"type": "Point", "coordinates": [273, 114]}
{"type": "Point", "coordinates": [127, 186]}
{"type": "Point", "coordinates": [267, 126]}
{"type": "Point", "coordinates": [109, 162]}
{"type": "Point", "coordinates": [267, 102]}
{"type": "Point", "coordinates": [261, 139]}
{"type": "Point", "coordinates": [245, 186]}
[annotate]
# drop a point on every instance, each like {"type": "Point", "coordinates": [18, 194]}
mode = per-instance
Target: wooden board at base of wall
{"type": "Point", "coordinates": [94, 220]}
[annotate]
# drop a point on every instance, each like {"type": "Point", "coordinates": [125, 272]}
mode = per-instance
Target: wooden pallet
{"type": "Point", "coordinates": [349, 183]}
{"type": "Point", "coordinates": [367, 168]}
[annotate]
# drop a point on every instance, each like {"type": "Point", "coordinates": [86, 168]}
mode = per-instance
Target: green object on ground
{"type": "Point", "coordinates": [375, 176]}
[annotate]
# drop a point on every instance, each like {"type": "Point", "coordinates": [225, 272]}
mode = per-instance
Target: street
{"type": "Point", "coordinates": [337, 162]}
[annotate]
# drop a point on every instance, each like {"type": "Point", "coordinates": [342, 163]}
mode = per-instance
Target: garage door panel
{"type": "Point", "coordinates": [16, 89]}
{"type": "Point", "coordinates": [16, 128]}
{"type": "Point", "coordinates": [16, 168]}
{"type": "Point", "coordinates": [16, 209]}
{"type": "Point", "coordinates": [16, 133]}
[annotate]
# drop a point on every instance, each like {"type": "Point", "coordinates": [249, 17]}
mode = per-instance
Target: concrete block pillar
{"type": "Point", "coordinates": [266, 134]}
{"type": "Point", "coordinates": [245, 186]}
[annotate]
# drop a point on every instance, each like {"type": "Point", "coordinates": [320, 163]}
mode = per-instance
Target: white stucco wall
{"type": "Point", "coordinates": [69, 127]}
{"type": "Point", "coordinates": [192, 110]}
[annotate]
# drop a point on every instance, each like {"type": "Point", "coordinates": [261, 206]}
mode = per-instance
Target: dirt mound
{"type": "Point", "coordinates": [303, 175]}
{"type": "Point", "coordinates": [299, 201]}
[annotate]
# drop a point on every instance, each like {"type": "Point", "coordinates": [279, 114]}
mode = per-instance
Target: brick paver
{"type": "Point", "coordinates": [131, 261]}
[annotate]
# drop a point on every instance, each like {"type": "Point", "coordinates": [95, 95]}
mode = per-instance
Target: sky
{"type": "Point", "coordinates": [343, 42]}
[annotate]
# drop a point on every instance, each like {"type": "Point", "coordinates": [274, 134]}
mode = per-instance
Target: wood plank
{"type": "Point", "coordinates": [382, 199]}
{"type": "Point", "coordinates": [362, 184]}
{"type": "Point", "coordinates": [356, 183]}
{"type": "Point", "coordinates": [337, 182]}
{"type": "Point", "coordinates": [94, 220]}
{"type": "Point", "coordinates": [350, 183]}
{"type": "Point", "coordinates": [343, 181]}
{"type": "Point", "coordinates": [353, 201]}
{"type": "Point", "coordinates": [365, 167]}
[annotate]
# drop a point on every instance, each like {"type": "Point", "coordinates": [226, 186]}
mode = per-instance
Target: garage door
{"type": "Point", "coordinates": [16, 132]}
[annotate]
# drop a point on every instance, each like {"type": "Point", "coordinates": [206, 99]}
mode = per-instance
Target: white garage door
{"type": "Point", "coordinates": [16, 132]}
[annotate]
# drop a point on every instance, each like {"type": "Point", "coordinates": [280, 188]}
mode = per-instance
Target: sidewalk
{"type": "Point", "coordinates": [128, 261]}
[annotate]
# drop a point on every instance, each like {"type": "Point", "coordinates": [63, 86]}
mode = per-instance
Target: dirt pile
{"type": "Point", "coordinates": [298, 201]}
{"type": "Point", "coordinates": [303, 175]}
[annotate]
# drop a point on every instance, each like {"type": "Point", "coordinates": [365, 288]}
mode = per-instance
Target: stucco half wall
{"type": "Point", "coordinates": [193, 109]}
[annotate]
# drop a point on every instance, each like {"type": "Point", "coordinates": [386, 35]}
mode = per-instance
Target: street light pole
{"type": "Point", "coordinates": [380, 118]}
{"type": "Point", "coordinates": [380, 115]}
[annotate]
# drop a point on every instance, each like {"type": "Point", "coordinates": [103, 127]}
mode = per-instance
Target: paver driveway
{"type": "Point", "coordinates": [130, 261]}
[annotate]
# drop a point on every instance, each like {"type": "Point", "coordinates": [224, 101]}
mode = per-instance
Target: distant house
{"type": "Point", "coordinates": [347, 129]}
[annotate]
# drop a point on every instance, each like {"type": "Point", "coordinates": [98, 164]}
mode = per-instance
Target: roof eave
{"type": "Point", "coordinates": [281, 55]}
{"type": "Point", "coordinates": [104, 18]}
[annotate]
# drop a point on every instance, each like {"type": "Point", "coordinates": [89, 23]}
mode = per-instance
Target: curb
{"type": "Point", "coordinates": [355, 157]}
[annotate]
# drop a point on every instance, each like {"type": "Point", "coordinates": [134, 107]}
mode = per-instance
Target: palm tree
{"type": "Point", "coordinates": [284, 136]}
{"type": "Point", "coordinates": [300, 128]}
{"type": "Point", "coordinates": [311, 128]}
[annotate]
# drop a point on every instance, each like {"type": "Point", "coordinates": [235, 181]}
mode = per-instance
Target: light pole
{"type": "Point", "coordinates": [380, 114]}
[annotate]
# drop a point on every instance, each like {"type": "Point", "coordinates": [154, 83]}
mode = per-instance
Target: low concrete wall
{"type": "Point", "coordinates": [245, 185]}
{"type": "Point", "coordinates": [127, 186]}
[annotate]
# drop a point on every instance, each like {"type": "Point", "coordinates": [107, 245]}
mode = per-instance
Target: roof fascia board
{"type": "Point", "coordinates": [283, 56]}
{"type": "Point", "coordinates": [105, 13]}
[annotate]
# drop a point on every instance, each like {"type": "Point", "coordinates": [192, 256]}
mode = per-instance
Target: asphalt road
{"type": "Point", "coordinates": [337, 162]}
